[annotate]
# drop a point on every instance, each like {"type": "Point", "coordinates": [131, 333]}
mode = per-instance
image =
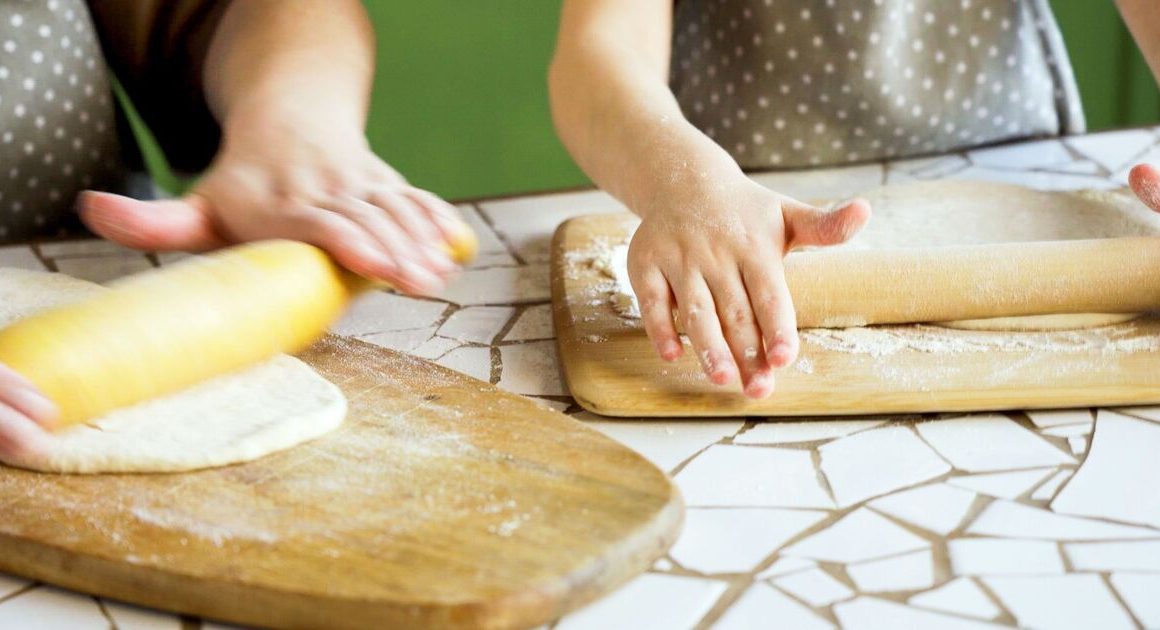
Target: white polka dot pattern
{"type": "Point", "coordinates": [794, 83]}
{"type": "Point", "coordinates": [57, 126]}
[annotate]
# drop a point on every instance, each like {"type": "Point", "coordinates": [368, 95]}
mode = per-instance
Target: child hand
{"type": "Point", "coordinates": [716, 257]}
{"type": "Point", "coordinates": [290, 177]}
{"type": "Point", "coordinates": [23, 411]}
{"type": "Point", "coordinates": [1145, 182]}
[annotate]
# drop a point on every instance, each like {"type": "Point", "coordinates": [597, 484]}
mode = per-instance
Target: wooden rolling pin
{"type": "Point", "coordinates": [841, 288]}
{"type": "Point", "coordinates": [160, 331]}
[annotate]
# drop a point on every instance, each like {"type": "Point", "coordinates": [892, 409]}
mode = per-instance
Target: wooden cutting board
{"type": "Point", "coordinates": [442, 502]}
{"type": "Point", "coordinates": [611, 368]}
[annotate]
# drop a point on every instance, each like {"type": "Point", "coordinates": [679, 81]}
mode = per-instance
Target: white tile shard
{"type": "Point", "coordinates": [1046, 491]}
{"type": "Point", "coordinates": [1078, 445]}
{"type": "Point", "coordinates": [434, 348]}
{"type": "Point", "coordinates": [785, 566]}
{"type": "Point", "coordinates": [814, 586]}
{"type": "Point", "coordinates": [534, 323]}
{"type": "Point", "coordinates": [906, 572]}
{"type": "Point", "coordinates": [856, 470]}
{"type": "Point", "coordinates": [20, 257]}
{"type": "Point", "coordinates": [1062, 601]}
{"type": "Point", "coordinates": [104, 269]}
{"type": "Point", "coordinates": [747, 476]}
{"type": "Point", "coordinates": [1005, 485]}
{"type": "Point", "coordinates": [1007, 519]}
{"type": "Point", "coordinates": [1043, 418]}
{"type": "Point", "coordinates": [50, 607]}
{"type": "Point", "coordinates": [9, 584]}
{"type": "Point", "coordinates": [401, 340]}
{"type": "Point", "coordinates": [1117, 480]}
{"type": "Point", "coordinates": [127, 617]}
{"type": "Point", "coordinates": [1024, 155]}
{"type": "Point", "coordinates": [477, 324]}
{"type": "Point", "coordinates": [858, 536]}
{"type": "Point", "coordinates": [1141, 556]}
{"type": "Point", "coordinates": [938, 508]}
{"type": "Point", "coordinates": [527, 223]}
{"type": "Point", "coordinates": [649, 601]}
{"type": "Point", "coordinates": [1147, 413]}
{"type": "Point", "coordinates": [808, 431]}
{"type": "Point", "coordinates": [997, 556]}
{"type": "Point", "coordinates": [1139, 593]}
{"type": "Point", "coordinates": [380, 311]}
{"type": "Point", "coordinates": [499, 285]}
{"type": "Point", "coordinates": [1068, 430]}
{"type": "Point", "coordinates": [472, 361]}
{"type": "Point", "coordinates": [532, 368]}
{"type": "Point", "coordinates": [665, 443]}
{"type": "Point", "coordinates": [960, 596]}
{"type": "Point", "coordinates": [871, 613]}
{"type": "Point", "coordinates": [762, 604]}
{"type": "Point", "coordinates": [1114, 149]}
{"type": "Point", "coordinates": [989, 442]}
{"type": "Point", "coordinates": [735, 540]}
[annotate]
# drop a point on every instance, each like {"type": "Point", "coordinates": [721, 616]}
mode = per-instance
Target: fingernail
{"type": "Point", "coordinates": [759, 386]}
{"type": "Point", "coordinates": [781, 353]}
{"type": "Point", "coordinates": [670, 350]}
{"type": "Point", "coordinates": [34, 405]}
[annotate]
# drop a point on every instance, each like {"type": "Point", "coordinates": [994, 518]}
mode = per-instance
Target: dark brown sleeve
{"type": "Point", "coordinates": [157, 49]}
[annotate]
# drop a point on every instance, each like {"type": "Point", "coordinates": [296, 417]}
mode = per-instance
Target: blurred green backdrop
{"type": "Point", "coordinates": [461, 107]}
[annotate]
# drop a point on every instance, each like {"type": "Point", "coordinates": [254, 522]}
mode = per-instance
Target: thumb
{"type": "Point", "coordinates": [807, 226]}
{"type": "Point", "coordinates": [1145, 182]}
{"type": "Point", "coordinates": [171, 224]}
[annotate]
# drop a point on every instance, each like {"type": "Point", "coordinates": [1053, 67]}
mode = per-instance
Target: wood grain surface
{"type": "Point", "coordinates": [442, 502]}
{"type": "Point", "coordinates": [612, 369]}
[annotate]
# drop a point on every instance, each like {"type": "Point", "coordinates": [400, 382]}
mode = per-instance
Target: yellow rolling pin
{"type": "Point", "coordinates": [161, 331]}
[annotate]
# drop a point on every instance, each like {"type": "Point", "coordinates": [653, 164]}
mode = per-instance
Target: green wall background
{"type": "Point", "coordinates": [460, 103]}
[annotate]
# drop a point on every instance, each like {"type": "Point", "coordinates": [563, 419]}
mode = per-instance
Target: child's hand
{"type": "Point", "coordinates": [1145, 182]}
{"type": "Point", "coordinates": [23, 410]}
{"type": "Point", "coordinates": [296, 176]}
{"type": "Point", "coordinates": [716, 257]}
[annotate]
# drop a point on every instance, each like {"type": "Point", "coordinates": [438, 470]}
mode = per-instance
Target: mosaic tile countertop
{"type": "Point", "coordinates": [1044, 519]}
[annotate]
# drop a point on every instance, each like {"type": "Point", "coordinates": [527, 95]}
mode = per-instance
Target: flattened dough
{"type": "Point", "coordinates": [963, 213]}
{"type": "Point", "coordinates": [227, 420]}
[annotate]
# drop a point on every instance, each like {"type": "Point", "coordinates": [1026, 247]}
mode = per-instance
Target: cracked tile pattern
{"type": "Point", "coordinates": [1041, 519]}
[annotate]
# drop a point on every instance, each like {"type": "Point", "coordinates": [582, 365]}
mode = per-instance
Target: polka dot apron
{"type": "Point", "coordinates": [797, 83]}
{"type": "Point", "coordinates": [57, 128]}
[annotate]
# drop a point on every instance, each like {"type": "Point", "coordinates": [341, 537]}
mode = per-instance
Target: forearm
{"type": "Point", "coordinates": [617, 117]}
{"type": "Point", "coordinates": [1143, 20]}
{"type": "Point", "coordinates": [314, 57]}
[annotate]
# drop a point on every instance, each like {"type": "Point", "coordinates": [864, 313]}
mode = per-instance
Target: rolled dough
{"type": "Point", "coordinates": [227, 420]}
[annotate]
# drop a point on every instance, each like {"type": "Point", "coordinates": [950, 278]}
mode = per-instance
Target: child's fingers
{"type": "Point", "coordinates": [1145, 182]}
{"type": "Point", "coordinates": [741, 332]}
{"type": "Point", "coordinates": [698, 314]}
{"type": "Point", "coordinates": [807, 225]}
{"type": "Point", "coordinates": [764, 277]}
{"type": "Point", "coordinates": [656, 311]}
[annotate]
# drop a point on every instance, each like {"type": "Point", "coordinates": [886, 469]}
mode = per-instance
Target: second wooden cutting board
{"type": "Point", "coordinates": [442, 502]}
{"type": "Point", "coordinates": [612, 369]}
